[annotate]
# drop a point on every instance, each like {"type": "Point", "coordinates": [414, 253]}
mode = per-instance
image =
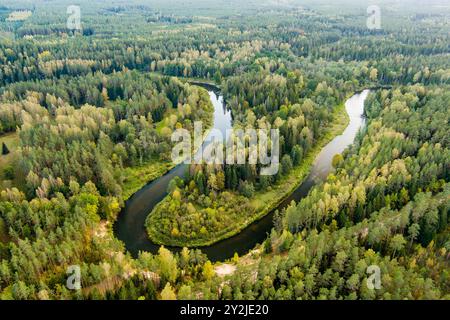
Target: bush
{"type": "Point", "coordinates": [8, 173]}
{"type": "Point", "coordinates": [247, 189]}
{"type": "Point", "coordinates": [286, 164]}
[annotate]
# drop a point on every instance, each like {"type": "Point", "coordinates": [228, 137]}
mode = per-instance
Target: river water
{"type": "Point", "coordinates": [130, 225]}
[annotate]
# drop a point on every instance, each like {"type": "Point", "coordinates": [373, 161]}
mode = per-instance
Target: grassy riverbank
{"type": "Point", "coordinates": [262, 202]}
{"type": "Point", "coordinates": [138, 177]}
{"type": "Point", "coordinates": [8, 174]}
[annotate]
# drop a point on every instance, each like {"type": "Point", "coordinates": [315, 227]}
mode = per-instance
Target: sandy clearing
{"type": "Point", "coordinates": [224, 269]}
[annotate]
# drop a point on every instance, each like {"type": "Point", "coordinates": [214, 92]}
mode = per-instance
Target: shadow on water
{"type": "Point", "coordinates": [130, 225]}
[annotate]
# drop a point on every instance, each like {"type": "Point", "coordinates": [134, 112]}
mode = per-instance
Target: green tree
{"type": "Point", "coordinates": [208, 271]}
{"type": "Point", "coordinates": [286, 164]}
{"type": "Point", "coordinates": [168, 293]}
{"type": "Point", "coordinates": [337, 160]}
{"type": "Point", "coordinates": [397, 244]}
{"type": "Point", "coordinates": [167, 265]}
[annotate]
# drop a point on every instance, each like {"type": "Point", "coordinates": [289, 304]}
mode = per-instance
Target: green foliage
{"type": "Point", "coordinates": [168, 293]}
{"type": "Point", "coordinates": [8, 172]}
{"type": "Point", "coordinates": [247, 189]}
{"type": "Point", "coordinates": [87, 118]}
{"type": "Point", "coordinates": [337, 160]}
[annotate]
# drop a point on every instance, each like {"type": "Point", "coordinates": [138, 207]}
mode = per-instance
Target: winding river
{"type": "Point", "coordinates": [130, 226]}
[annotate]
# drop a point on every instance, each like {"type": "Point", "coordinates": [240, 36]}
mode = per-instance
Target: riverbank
{"type": "Point", "coordinates": [137, 177]}
{"type": "Point", "coordinates": [262, 203]}
{"type": "Point", "coordinates": [9, 176]}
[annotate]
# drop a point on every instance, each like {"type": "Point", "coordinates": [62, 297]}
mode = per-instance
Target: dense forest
{"type": "Point", "coordinates": [214, 200]}
{"type": "Point", "coordinates": [86, 118]}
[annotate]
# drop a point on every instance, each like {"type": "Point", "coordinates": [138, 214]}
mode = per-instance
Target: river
{"type": "Point", "coordinates": [130, 225]}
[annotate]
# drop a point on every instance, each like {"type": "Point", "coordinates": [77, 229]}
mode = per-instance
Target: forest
{"type": "Point", "coordinates": [86, 119]}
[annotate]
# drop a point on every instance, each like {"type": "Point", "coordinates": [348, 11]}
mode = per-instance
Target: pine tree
{"type": "Point", "coordinates": [5, 149]}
